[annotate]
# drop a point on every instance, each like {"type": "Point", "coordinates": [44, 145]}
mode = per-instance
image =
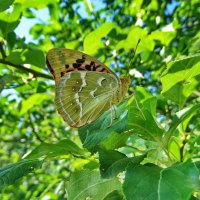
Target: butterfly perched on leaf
{"type": "Point", "coordinates": [84, 87]}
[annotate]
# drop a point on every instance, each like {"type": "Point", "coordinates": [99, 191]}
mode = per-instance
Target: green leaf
{"type": "Point", "coordinates": [141, 182]}
{"type": "Point", "coordinates": [115, 195]}
{"type": "Point", "coordinates": [5, 4]}
{"type": "Point", "coordinates": [62, 148]}
{"type": "Point", "coordinates": [141, 121]}
{"type": "Point", "coordinates": [12, 172]}
{"type": "Point", "coordinates": [184, 74]}
{"type": "Point", "coordinates": [27, 56]}
{"type": "Point", "coordinates": [95, 133]}
{"type": "Point", "coordinates": [91, 186]}
{"type": "Point", "coordinates": [180, 70]}
{"type": "Point", "coordinates": [12, 16]}
{"type": "Point", "coordinates": [179, 181]}
{"type": "Point", "coordinates": [177, 120]}
{"type": "Point", "coordinates": [35, 57]}
{"type": "Point", "coordinates": [9, 21]}
{"type": "Point", "coordinates": [147, 100]}
{"type": "Point", "coordinates": [164, 37]}
{"type": "Point", "coordinates": [92, 41]}
{"type": "Point", "coordinates": [113, 162]}
{"type": "Point", "coordinates": [6, 80]}
{"type": "Point", "coordinates": [115, 140]}
{"type": "Point", "coordinates": [36, 3]}
{"type": "Point", "coordinates": [33, 100]}
{"type": "Point", "coordinates": [6, 27]}
{"type": "Point", "coordinates": [131, 41]}
{"type": "Point", "coordinates": [130, 116]}
{"type": "Point", "coordinates": [180, 92]}
{"type": "Point", "coordinates": [72, 44]}
{"type": "Point", "coordinates": [194, 43]}
{"type": "Point", "coordinates": [150, 182]}
{"type": "Point", "coordinates": [16, 57]}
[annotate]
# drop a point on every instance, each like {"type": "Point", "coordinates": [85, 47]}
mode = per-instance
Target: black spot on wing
{"type": "Point", "coordinates": [62, 74]}
{"type": "Point", "coordinates": [76, 65]}
{"type": "Point", "coordinates": [92, 66]}
{"type": "Point", "coordinates": [80, 61]}
{"type": "Point", "coordinates": [88, 67]}
{"type": "Point", "coordinates": [66, 66]}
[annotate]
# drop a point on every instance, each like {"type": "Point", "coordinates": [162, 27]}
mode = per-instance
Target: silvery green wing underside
{"type": "Point", "coordinates": [83, 96]}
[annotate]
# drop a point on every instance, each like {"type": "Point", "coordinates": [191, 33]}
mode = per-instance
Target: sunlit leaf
{"type": "Point", "coordinates": [93, 40]}
{"type": "Point", "coordinates": [12, 16]}
{"type": "Point", "coordinates": [183, 73]}
{"type": "Point", "coordinates": [91, 186]}
{"type": "Point", "coordinates": [134, 35]}
{"type": "Point", "coordinates": [164, 37]}
{"type": "Point", "coordinates": [35, 3]}
{"type": "Point", "coordinates": [34, 99]}
{"type": "Point", "coordinates": [27, 56]}
{"type": "Point", "coordinates": [62, 148]}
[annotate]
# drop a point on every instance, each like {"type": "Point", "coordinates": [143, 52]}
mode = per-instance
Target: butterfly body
{"type": "Point", "coordinates": [85, 88]}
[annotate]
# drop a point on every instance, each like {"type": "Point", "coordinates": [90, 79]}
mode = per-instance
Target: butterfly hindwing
{"type": "Point", "coordinates": [82, 96]}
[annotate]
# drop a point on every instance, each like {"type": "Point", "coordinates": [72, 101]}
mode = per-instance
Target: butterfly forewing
{"type": "Point", "coordinates": [61, 61]}
{"type": "Point", "coordinates": [82, 96]}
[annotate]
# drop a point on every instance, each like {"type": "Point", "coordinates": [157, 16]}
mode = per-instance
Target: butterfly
{"type": "Point", "coordinates": [84, 87]}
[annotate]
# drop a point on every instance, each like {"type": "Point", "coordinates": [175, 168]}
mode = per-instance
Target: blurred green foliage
{"type": "Point", "coordinates": [151, 150]}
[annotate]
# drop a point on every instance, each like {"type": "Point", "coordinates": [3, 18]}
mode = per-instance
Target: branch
{"type": "Point", "coordinates": [35, 73]}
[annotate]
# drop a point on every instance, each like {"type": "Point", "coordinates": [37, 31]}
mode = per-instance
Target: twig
{"type": "Point", "coordinates": [33, 129]}
{"type": "Point", "coordinates": [35, 73]}
{"type": "Point", "coordinates": [54, 134]}
{"type": "Point", "coordinates": [182, 148]}
{"type": "Point", "coordinates": [3, 53]}
{"type": "Point", "coordinates": [13, 140]}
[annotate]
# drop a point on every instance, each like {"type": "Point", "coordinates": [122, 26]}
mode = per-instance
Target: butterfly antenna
{"type": "Point", "coordinates": [132, 53]}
